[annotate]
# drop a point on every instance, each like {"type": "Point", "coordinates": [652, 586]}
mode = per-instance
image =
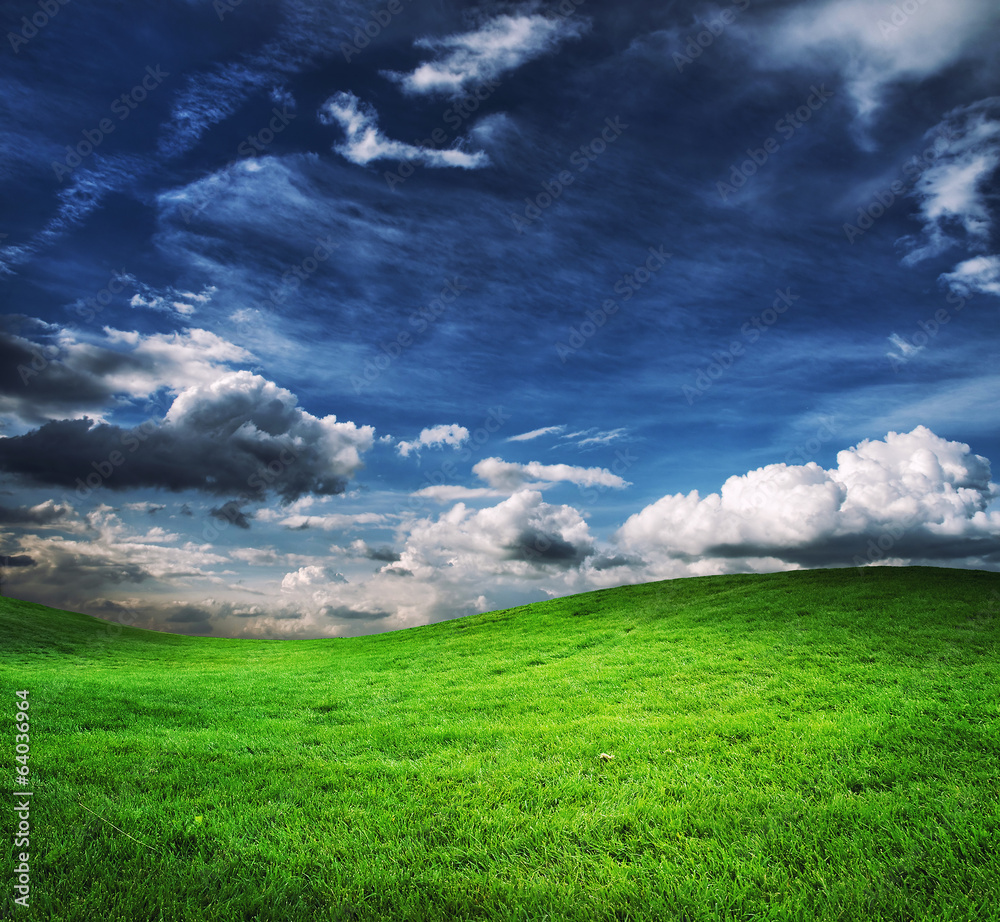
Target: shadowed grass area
{"type": "Point", "coordinates": [814, 745]}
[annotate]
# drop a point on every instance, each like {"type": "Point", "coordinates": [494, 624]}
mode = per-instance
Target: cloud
{"type": "Point", "coordinates": [46, 513]}
{"type": "Point", "coordinates": [147, 508]}
{"type": "Point", "coordinates": [105, 557]}
{"type": "Point", "coordinates": [500, 45]}
{"type": "Point", "coordinates": [241, 434]}
{"type": "Point", "coordinates": [346, 613]}
{"type": "Point", "coordinates": [308, 577]}
{"type": "Point", "coordinates": [170, 300]}
{"type": "Point", "coordinates": [954, 192]}
{"type": "Point", "coordinates": [599, 438]}
{"type": "Point", "coordinates": [206, 99]}
{"type": "Point", "coordinates": [912, 496]}
{"type": "Point", "coordinates": [906, 350]}
{"type": "Point", "coordinates": [449, 493]}
{"type": "Point", "coordinates": [981, 274]}
{"type": "Point", "coordinates": [57, 373]}
{"type": "Point", "coordinates": [872, 45]}
{"type": "Point", "coordinates": [508, 475]}
{"type": "Point", "coordinates": [83, 194]}
{"type": "Point", "coordinates": [18, 560]}
{"type": "Point", "coordinates": [384, 553]}
{"type": "Point", "coordinates": [302, 39]}
{"type": "Point", "coordinates": [335, 521]}
{"type": "Point", "coordinates": [435, 437]}
{"type": "Point", "coordinates": [536, 433]}
{"type": "Point", "coordinates": [520, 534]}
{"type": "Point", "coordinates": [231, 512]}
{"type": "Point", "coordinates": [365, 142]}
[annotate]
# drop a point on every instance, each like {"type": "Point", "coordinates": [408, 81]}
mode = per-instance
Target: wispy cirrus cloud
{"type": "Point", "coordinates": [509, 475]}
{"type": "Point", "coordinates": [497, 47]}
{"type": "Point", "coordinates": [536, 433]}
{"type": "Point", "coordinates": [954, 192]}
{"type": "Point", "coordinates": [364, 141]}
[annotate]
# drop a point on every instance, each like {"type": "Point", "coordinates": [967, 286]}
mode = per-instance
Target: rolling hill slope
{"type": "Point", "coordinates": [818, 745]}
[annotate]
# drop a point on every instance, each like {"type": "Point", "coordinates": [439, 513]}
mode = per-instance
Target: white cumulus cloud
{"type": "Point", "coordinates": [981, 274]}
{"type": "Point", "coordinates": [916, 495]}
{"type": "Point", "coordinates": [516, 536]}
{"type": "Point", "coordinates": [308, 577]}
{"type": "Point", "coordinates": [435, 437]}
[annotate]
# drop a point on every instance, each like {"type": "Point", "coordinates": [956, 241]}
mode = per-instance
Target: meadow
{"type": "Point", "coordinates": [813, 745]}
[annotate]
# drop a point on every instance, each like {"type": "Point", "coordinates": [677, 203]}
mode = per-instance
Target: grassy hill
{"type": "Point", "coordinates": [814, 745]}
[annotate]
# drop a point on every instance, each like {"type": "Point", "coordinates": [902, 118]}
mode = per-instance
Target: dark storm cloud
{"type": "Point", "coordinates": [604, 562]}
{"type": "Point", "coordinates": [57, 372]}
{"type": "Point", "coordinates": [346, 613]}
{"type": "Point", "coordinates": [18, 560]}
{"type": "Point", "coordinates": [191, 615]}
{"type": "Point", "coordinates": [36, 385]}
{"type": "Point", "coordinates": [242, 436]}
{"type": "Point", "coordinates": [893, 541]}
{"type": "Point", "coordinates": [66, 574]}
{"type": "Point", "coordinates": [43, 514]}
{"type": "Point", "coordinates": [383, 553]}
{"type": "Point", "coordinates": [536, 546]}
{"type": "Point", "coordinates": [231, 513]}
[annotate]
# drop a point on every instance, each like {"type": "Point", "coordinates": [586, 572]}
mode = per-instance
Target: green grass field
{"type": "Point", "coordinates": [813, 745]}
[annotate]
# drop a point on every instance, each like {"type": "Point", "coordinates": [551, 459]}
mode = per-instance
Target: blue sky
{"type": "Point", "coordinates": [331, 318]}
